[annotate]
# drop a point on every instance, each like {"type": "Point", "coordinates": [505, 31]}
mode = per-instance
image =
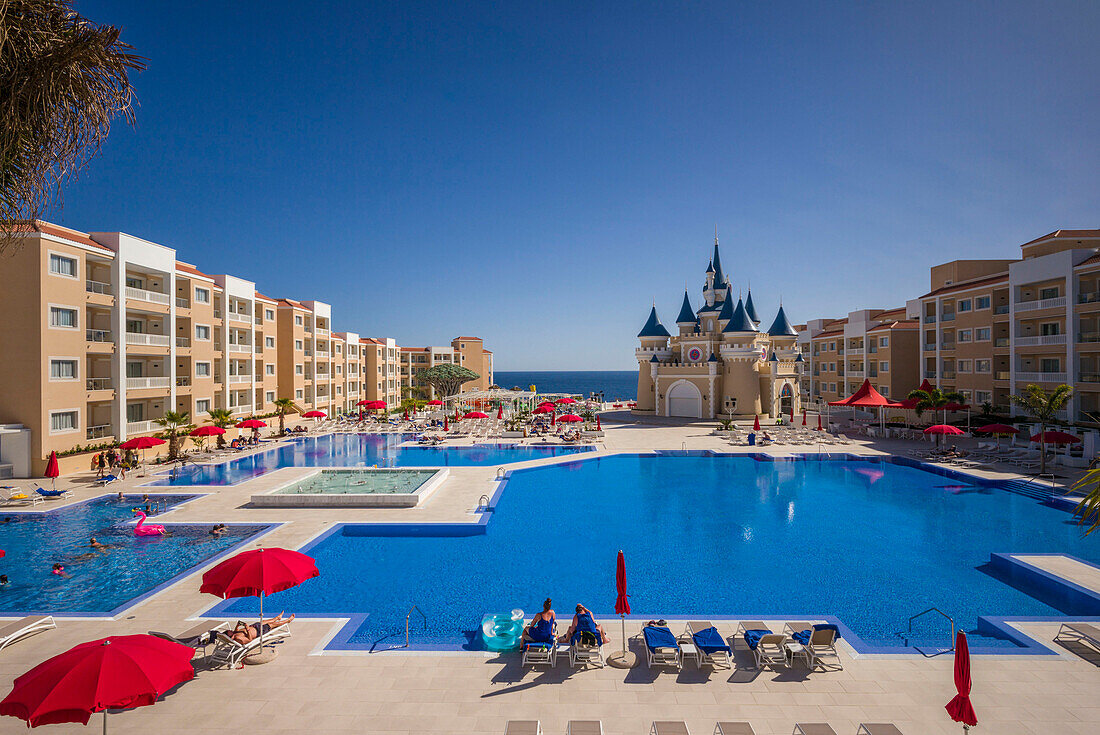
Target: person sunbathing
{"type": "Point", "coordinates": [541, 627]}
{"type": "Point", "coordinates": [244, 633]}
{"type": "Point", "coordinates": [585, 623]}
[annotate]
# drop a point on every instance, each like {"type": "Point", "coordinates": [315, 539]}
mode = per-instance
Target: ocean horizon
{"type": "Point", "coordinates": [615, 384]}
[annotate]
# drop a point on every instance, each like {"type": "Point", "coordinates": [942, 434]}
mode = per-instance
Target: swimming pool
{"type": "Point", "coordinates": [870, 541]}
{"type": "Point", "coordinates": [99, 583]}
{"type": "Point", "coordinates": [359, 450]}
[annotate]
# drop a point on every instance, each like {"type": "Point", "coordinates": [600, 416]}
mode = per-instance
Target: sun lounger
{"type": "Point", "coordinates": [813, 728]}
{"type": "Point", "coordinates": [18, 629]}
{"type": "Point", "coordinates": [51, 493]}
{"type": "Point", "coordinates": [669, 728]}
{"type": "Point", "coordinates": [1080, 633]}
{"type": "Point", "coordinates": [105, 480]}
{"type": "Point", "coordinates": [733, 728]}
{"type": "Point", "coordinates": [712, 648]}
{"type": "Point", "coordinates": [662, 648]}
{"type": "Point", "coordinates": [523, 727]}
{"type": "Point", "coordinates": [586, 648]}
{"type": "Point", "coordinates": [541, 652]}
{"type": "Point", "coordinates": [771, 650]}
{"type": "Point", "coordinates": [584, 727]}
{"type": "Point", "coordinates": [754, 632]}
{"type": "Point", "coordinates": [878, 728]}
{"type": "Point", "coordinates": [823, 645]}
{"type": "Point", "coordinates": [197, 636]}
{"type": "Point", "coordinates": [799, 632]}
{"type": "Point", "coordinates": [230, 652]}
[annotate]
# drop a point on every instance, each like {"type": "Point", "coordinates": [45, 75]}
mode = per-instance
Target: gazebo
{"type": "Point", "coordinates": [867, 397]}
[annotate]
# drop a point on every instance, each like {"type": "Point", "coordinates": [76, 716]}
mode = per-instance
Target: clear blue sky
{"type": "Point", "coordinates": [537, 174]}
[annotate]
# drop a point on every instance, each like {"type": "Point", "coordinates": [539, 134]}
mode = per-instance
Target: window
{"type": "Point", "coordinates": [832, 346]}
{"type": "Point", "coordinates": [202, 295]}
{"type": "Point", "coordinates": [983, 396]}
{"type": "Point", "coordinates": [883, 341]}
{"type": "Point", "coordinates": [298, 319]}
{"type": "Point", "coordinates": [982, 334]}
{"type": "Point", "coordinates": [133, 282]}
{"type": "Point", "coordinates": [135, 326]}
{"type": "Point", "coordinates": [135, 412]}
{"type": "Point", "coordinates": [270, 396]}
{"type": "Point", "coordinates": [1049, 329]}
{"type": "Point", "coordinates": [298, 394]}
{"type": "Point", "coordinates": [884, 366]}
{"type": "Point", "coordinates": [202, 406]}
{"type": "Point", "coordinates": [297, 369]}
{"type": "Point", "coordinates": [1050, 365]}
{"type": "Point", "coordinates": [337, 350]}
{"type": "Point", "coordinates": [61, 421]}
{"type": "Point", "coordinates": [884, 390]}
{"type": "Point", "coordinates": [62, 266]}
{"type": "Point", "coordinates": [965, 366]}
{"type": "Point", "coordinates": [965, 335]}
{"type": "Point", "coordinates": [983, 366]}
{"type": "Point", "coordinates": [1050, 292]}
{"type": "Point", "coordinates": [297, 344]}
{"type": "Point", "coordinates": [62, 369]}
{"type": "Point", "coordinates": [269, 314]}
{"type": "Point", "coordinates": [62, 318]}
{"type": "Point", "coordinates": [202, 370]}
{"type": "Point", "coordinates": [832, 387]}
{"type": "Point", "coordinates": [269, 341]}
{"type": "Point", "coordinates": [982, 302]}
{"type": "Point", "coordinates": [963, 305]}
{"type": "Point", "coordinates": [202, 331]}
{"type": "Point", "coordinates": [269, 369]}
{"type": "Point", "coordinates": [338, 390]}
{"type": "Point", "coordinates": [135, 369]}
{"type": "Point", "coordinates": [339, 370]}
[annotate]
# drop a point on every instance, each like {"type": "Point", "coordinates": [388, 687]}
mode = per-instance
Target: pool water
{"type": "Point", "coordinates": [869, 541]}
{"type": "Point", "coordinates": [359, 482]}
{"type": "Point", "coordinates": [358, 450]}
{"type": "Point", "coordinates": [99, 583]}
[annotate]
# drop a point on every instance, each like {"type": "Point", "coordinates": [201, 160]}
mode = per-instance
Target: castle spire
{"type": "Point", "coordinates": [687, 314]}
{"type": "Point", "coordinates": [653, 326]}
{"type": "Point", "coordinates": [716, 261]}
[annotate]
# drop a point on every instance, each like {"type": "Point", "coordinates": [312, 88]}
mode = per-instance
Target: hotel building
{"type": "Point", "coordinates": [990, 327]}
{"type": "Point", "coordinates": [105, 332]}
{"type": "Point", "coordinates": [467, 352]}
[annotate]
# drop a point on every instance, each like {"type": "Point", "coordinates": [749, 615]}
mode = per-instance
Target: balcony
{"type": "Point", "coordinates": [308, 353]}
{"type": "Point", "coordinates": [947, 346]}
{"type": "Point", "coordinates": [1001, 342]}
{"type": "Point", "coordinates": [1001, 309]}
{"type": "Point", "coordinates": [948, 375]}
{"type": "Point", "coordinates": [1045, 339]}
{"type": "Point", "coordinates": [99, 432]}
{"type": "Point", "coordinates": [1086, 337]}
{"type": "Point", "coordinates": [183, 381]}
{"type": "Point", "coordinates": [929, 318]}
{"type": "Point", "coordinates": [98, 287]}
{"type": "Point", "coordinates": [238, 317]}
{"type": "Point", "coordinates": [930, 348]}
{"type": "Point", "coordinates": [154, 340]}
{"type": "Point", "coordinates": [1002, 375]}
{"type": "Point", "coordinates": [182, 303]}
{"type": "Point", "coordinates": [237, 379]}
{"type": "Point", "coordinates": [242, 408]}
{"type": "Point", "coordinates": [140, 427]}
{"type": "Point", "coordinates": [930, 374]}
{"type": "Point", "coordinates": [141, 294]}
{"type": "Point", "coordinates": [323, 353]}
{"type": "Point", "coordinates": [322, 332]}
{"type": "Point", "coordinates": [855, 374]}
{"type": "Point", "coordinates": [158, 381]}
{"type": "Point", "coordinates": [948, 317]}
{"type": "Point", "coordinates": [98, 335]}
{"type": "Point", "coordinates": [1088, 297]}
{"type": "Point", "coordinates": [99, 384]}
{"type": "Point", "coordinates": [1055, 303]}
{"type": "Point", "coordinates": [183, 342]}
{"type": "Point", "coordinates": [1088, 377]}
{"type": "Point", "coordinates": [246, 349]}
{"type": "Point", "coordinates": [1041, 377]}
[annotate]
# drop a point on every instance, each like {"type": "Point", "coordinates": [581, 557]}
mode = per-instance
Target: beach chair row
{"type": "Point", "coordinates": [701, 641]}
{"type": "Point", "coordinates": [679, 727]}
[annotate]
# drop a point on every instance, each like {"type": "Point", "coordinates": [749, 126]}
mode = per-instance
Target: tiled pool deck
{"type": "Point", "coordinates": [306, 690]}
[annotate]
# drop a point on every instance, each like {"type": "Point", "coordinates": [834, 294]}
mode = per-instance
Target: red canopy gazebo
{"type": "Point", "coordinates": [867, 397]}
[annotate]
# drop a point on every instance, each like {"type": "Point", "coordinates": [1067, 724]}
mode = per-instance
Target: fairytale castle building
{"type": "Point", "coordinates": [720, 363]}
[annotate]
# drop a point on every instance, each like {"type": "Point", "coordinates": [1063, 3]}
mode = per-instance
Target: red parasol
{"type": "Point", "coordinates": [500, 412]}
{"type": "Point", "coordinates": [756, 423]}
{"type": "Point", "coordinates": [445, 424]}
{"type": "Point", "coordinates": [623, 659]}
{"type": "Point", "coordinates": [141, 442]}
{"type": "Point", "coordinates": [207, 431]}
{"type": "Point", "coordinates": [819, 422]}
{"type": "Point", "coordinates": [254, 424]}
{"type": "Point", "coordinates": [561, 401]}
{"type": "Point", "coordinates": [406, 416]}
{"type": "Point", "coordinates": [1055, 437]}
{"type": "Point", "coordinates": [548, 404]}
{"type": "Point", "coordinates": [310, 415]}
{"type": "Point", "coordinates": [475, 415]}
{"type": "Point", "coordinates": [960, 708]}
{"type": "Point", "coordinates": [944, 429]}
{"type": "Point", "coordinates": [792, 413]}
{"type": "Point", "coordinates": [117, 672]}
{"type": "Point", "coordinates": [598, 427]}
{"type": "Point", "coordinates": [434, 403]}
{"type": "Point", "coordinates": [570, 418]}
{"type": "Point", "coordinates": [53, 470]}
{"type": "Point", "coordinates": [803, 417]}
{"type": "Point", "coordinates": [997, 429]}
{"type": "Point", "coordinates": [553, 417]}
{"type": "Point", "coordinates": [543, 409]}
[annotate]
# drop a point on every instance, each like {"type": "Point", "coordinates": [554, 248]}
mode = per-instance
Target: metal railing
{"type": "Point", "coordinates": [929, 318]}
{"type": "Point", "coordinates": [1001, 309]}
{"type": "Point", "coordinates": [1002, 375]}
{"type": "Point", "coordinates": [141, 338]}
{"type": "Point", "coordinates": [1041, 339]}
{"type": "Point", "coordinates": [183, 342]}
{"type": "Point", "coordinates": [99, 383]}
{"type": "Point", "coordinates": [141, 294]}
{"type": "Point", "coordinates": [947, 346]}
{"type": "Point", "coordinates": [140, 427]}
{"type": "Point", "coordinates": [241, 408]}
{"type": "Point", "coordinates": [236, 347]}
{"type": "Point", "coordinates": [183, 380]}
{"type": "Point", "coordinates": [1001, 342]}
{"type": "Point", "coordinates": [1087, 337]}
{"type": "Point", "coordinates": [930, 347]}
{"type": "Point", "coordinates": [1088, 297]}
{"type": "Point", "coordinates": [182, 303]}
{"type": "Point", "coordinates": [98, 335]}
{"type": "Point", "coordinates": [1088, 377]}
{"type": "Point", "coordinates": [941, 612]}
{"type": "Point", "coordinates": [1041, 377]}
{"type": "Point", "coordinates": [1055, 303]}
{"type": "Point", "coordinates": [156, 381]}
{"type": "Point", "coordinates": [98, 287]}
{"type": "Point", "coordinates": [99, 431]}
{"type": "Point", "coordinates": [947, 317]}
{"type": "Point", "coordinates": [235, 316]}
{"type": "Point", "coordinates": [240, 379]}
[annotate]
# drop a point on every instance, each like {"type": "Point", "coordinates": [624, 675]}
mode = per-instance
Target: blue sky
{"type": "Point", "coordinates": [537, 174]}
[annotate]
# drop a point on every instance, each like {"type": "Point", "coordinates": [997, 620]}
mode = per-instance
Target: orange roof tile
{"type": "Point", "coordinates": [1065, 235]}
{"type": "Point", "coordinates": [900, 324]}
{"type": "Point", "coordinates": [261, 297]}
{"type": "Point", "coordinates": [469, 338]}
{"type": "Point", "coordinates": [988, 280]}
{"type": "Point", "coordinates": [48, 228]}
{"type": "Point", "coordinates": [188, 268]}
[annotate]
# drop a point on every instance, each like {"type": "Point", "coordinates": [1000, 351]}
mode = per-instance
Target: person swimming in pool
{"type": "Point", "coordinates": [4, 581]}
{"type": "Point", "coordinates": [98, 546]}
{"type": "Point", "coordinates": [541, 627]}
{"type": "Point", "coordinates": [219, 530]}
{"type": "Point", "coordinates": [59, 569]}
{"type": "Point", "coordinates": [244, 632]}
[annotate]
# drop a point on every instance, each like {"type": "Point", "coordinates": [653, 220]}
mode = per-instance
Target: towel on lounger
{"type": "Point", "coordinates": [49, 493]}
{"type": "Point", "coordinates": [803, 636]}
{"type": "Point", "coordinates": [827, 626]}
{"type": "Point", "coordinates": [542, 631]}
{"type": "Point", "coordinates": [710, 641]}
{"type": "Point", "coordinates": [586, 632]}
{"type": "Point", "coordinates": [752, 637]}
{"type": "Point", "coordinates": [659, 637]}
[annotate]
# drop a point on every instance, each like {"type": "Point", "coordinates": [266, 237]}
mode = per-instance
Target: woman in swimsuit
{"type": "Point", "coordinates": [541, 628]}
{"type": "Point", "coordinates": [244, 633]}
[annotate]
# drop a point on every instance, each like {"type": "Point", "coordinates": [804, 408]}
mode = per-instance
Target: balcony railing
{"type": "Point", "coordinates": [99, 384]}
{"type": "Point", "coordinates": [242, 408]}
{"type": "Point", "coordinates": [930, 374]}
{"type": "Point", "coordinates": [1043, 339]}
{"type": "Point", "coordinates": [240, 379]}
{"type": "Point", "coordinates": [1084, 337]}
{"type": "Point", "coordinates": [183, 380]}
{"type": "Point", "coordinates": [140, 338]}
{"type": "Point", "coordinates": [158, 381]}
{"type": "Point", "coordinates": [322, 332]}
{"type": "Point", "coordinates": [98, 287]}
{"type": "Point", "coordinates": [238, 317]}
{"type": "Point", "coordinates": [182, 303]}
{"type": "Point", "coordinates": [1088, 297]}
{"type": "Point", "coordinates": [1088, 377]}
{"type": "Point", "coordinates": [1055, 303]}
{"type": "Point", "coordinates": [183, 342]}
{"type": "Point", "coordinates": [1041, 377]}
{"type": "Point", "coordinates": [322, 353]}
{"type": "Point", "coordinates": [930, 348]}
{"type": "Point", "coordinates": [141, 294]}
{"type": "Point", "coordinates": [855, 374]}
{"type": "Point", "coordinates": [929, 318]}
{"type": "Point", "coordinates": [948, 375]}
{"type": "Point", "coordinates": [1002, 375]}
{"type": "Point", "coordinates": [947, 346]}
{"type": "Point", "coordinates": [98, 335]}
{"type": "Point", "coordinates": [234, 347]}
{"type": "Point", "coordinates": [947, 317]}
{"type": "Point", "coordinates": [1001, 309]}
{"type": "Point", "coordinates": [99, 431]}
{"type": "Point", "coordinates": [308, 353]}
{"type": "Point", "coordinates": [1001, 342]}
{"type": "Point", "coordinates": [140, 427]}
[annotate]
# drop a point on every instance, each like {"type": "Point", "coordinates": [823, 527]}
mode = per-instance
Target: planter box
{"type": "Point", "coordinates": [512, 434]}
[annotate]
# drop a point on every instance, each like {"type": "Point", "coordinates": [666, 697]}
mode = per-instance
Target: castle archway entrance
{"type": "Point", "coordinates": [685, 400]}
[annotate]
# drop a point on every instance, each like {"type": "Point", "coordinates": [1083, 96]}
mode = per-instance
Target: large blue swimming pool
{"type": "Point", "coordinates": [871, 542]}
{"type": "Point", "coordinates": [359, 450]}
{"type": "Point", "coordinates": [99, 582]}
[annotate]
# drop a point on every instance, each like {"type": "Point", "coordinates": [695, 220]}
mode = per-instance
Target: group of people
{"type": "Point", "coordinates": [246, 441]}
{"type": "Point", "coordinates": [299, 429]}
{"type": "Point", "coordinates": [114, 462]}
{"type": "Point", "coordinates": [583, 627]}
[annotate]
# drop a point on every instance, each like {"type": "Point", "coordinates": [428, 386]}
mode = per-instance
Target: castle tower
{"type": "Point", "coordinates": [784, 366]}
{"type": "Point", "coordinates": [741, 357]}
{"type": "Point", "coordinates": [686, 320]}
{"type": "Point", "coordinates": [654, 348]}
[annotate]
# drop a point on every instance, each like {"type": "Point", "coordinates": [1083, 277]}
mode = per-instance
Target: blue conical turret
{"type": "Point", "coordinates": [716, 261]}
{"type": "Point", "coordinates": [750, 309]}
{"type": "Point", "coordinates": [740, 321]}
{"type": "Point", "coordinates": [727, 306]}
{"type": "Point", "coordinates": [653, 326]}
{"type": "Point", "coordinates": [781, 327]}
{"type": "Point", "coordinates": [687, 314]}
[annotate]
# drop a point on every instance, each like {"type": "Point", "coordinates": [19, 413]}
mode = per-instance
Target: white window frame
{"type": "Point", "coordinates": [209, 332]}
{"type": "Point", "coordinates": [73, 309]}
{"type": "Point", "coordinates": [964, 335]}
{"type": "Point", "coordinates": [269, 315]}
{"type": "Point", "coordinates": [299, 344]}
{"type": "Point", "coordinates": [298, 320]}
{"type": "Point", "coordinates": [298, 394]}
{"type": "Point", "coordinates": [208, 403]}
{"type": "Point", "coordinates": [269, 343]}
{"type": "Point", "coordinates": [269, 397]}
{"type": "Point", "coordinates": [75, 261]}
{"type": "Point", "coordinates": [269, 368]}
{"type": "Point", "coordinates": [979, 330]}
{"type": "Point", "coordinates": [978, 363]}
{"type": "Point", "coordinates": [63, 358]}
{"type": "Point", "coordinates": [200, 289]}
{"type": "Point", "coordinates": [884, 366]}
{"type": "Point", "coordinates": [76, 423]}
{"type": "Point", "coordinates": [299, 369]}
{"type": "Point", "coordinates": [964, 305]}
{"type": "Point", "coordinates": [988, 303]}
{"type": "Point", "coordinates": [209, 369]}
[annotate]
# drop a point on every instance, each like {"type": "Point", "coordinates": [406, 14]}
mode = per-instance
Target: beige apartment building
{"type": "Point", "coordinates": [467, 352]}
{"type": "Point", "coordinates": [990, 327]}
{"type": "Point", "coordinates": [873, 344]}
{"type": "Point", "coordinates": [106, 332]}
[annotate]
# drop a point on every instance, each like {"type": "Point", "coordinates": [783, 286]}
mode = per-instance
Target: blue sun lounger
{"type": "Point", "coordinates": [51, 493]}
{"type": "Point", "coordinates": [661, 647]}
{"type": "Point", "coordinates": [712, 648]}
{"type": "Point", "coordinates": [105, 480]}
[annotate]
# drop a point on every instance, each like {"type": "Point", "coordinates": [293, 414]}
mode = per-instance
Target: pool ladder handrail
{"type": "Point", "coordinates": [483, 504]}
{"type": "Point", "coordinates": [821, 448]}
{"type": "Point", "coordinates": [408, 616]}
{"type": "Point", "coordinates": [941, 612]}
{"type": "Point", "coordinates": [501, 472]}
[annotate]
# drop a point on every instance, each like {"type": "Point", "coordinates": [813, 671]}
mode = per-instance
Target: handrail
{"type": "Point", "coordinates": [941, 612]}
{"type": "Point", "coordinates": [501, 472]}
{"type": "Point", "coordinates": [409, 615]}
{"type": "Point", "coordinates": [483, 503]}
{"type": "Point", "coordinates": [821, 448]}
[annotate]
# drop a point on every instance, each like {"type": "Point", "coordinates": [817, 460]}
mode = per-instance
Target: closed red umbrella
{"type": "Point", "coordinates": [819, 422]}
{"type": "Point", "coordinates": [803, 417]}
{"type": "Point", "coordinates": [598, 427]}
{"type": "Point", "coordinates": [207, 431]}
{"type": "Point", "coordinates": [623, 659]}
{"type": "Point", "coordinates": [553, 417]}
{"type": "Point", "coordinates": [445, 425]}
{"type": "Point", "coordinates": [117, 672]}
{"type": "Point", "coordinates": [406, 416]}
{"type": "Point", "coordinates": [756, 423]}
{"type": "Point", "coordinates": [500, 412]}
{"type": "Point", "coordinates": [259, 572]}
{"type": "Point", "coordinates": [960, 708]}
{"type": "Point", "coordinates": [53, 470]}
{"type": "Point", "coordinates": [792, 412]}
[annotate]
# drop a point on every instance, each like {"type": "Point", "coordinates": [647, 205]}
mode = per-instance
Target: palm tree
{"type": "Point", "coordinates": [1088, 510]}
{"type": "Point", "coordinates": [1043, 407]}
{"type": "Point", "coordinates": [223, 419]}
{"type": "Point", "coordinates": [282, 405]}
{"type": "Point", "coordinates": [176, 424]}
{"type": "Point", "coordinates": [64, 80]}
{"type": "Point", "coordinates": [934, 400]}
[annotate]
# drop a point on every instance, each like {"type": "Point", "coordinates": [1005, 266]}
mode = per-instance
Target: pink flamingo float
{"type": "Point", "coordinates": [151, 530]}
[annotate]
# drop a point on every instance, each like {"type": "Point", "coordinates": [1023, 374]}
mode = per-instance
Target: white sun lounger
{"type": "Point", "coordinates": [733, 728]}
{"type": "Point", "coordinates": [718, 659]}
{"type": "Point", "coordinates": [230, 652]}
{"type": "Point", "coordinates": [678, 727]}
{"type": "Point", "coordinates": [523, 727]}
{"type": "Point", "coordinates": [1081, 633]}
{"type": "Point", "coordinates": [18, 629]}
{"type": "Point", "coordinates": [823, 645]}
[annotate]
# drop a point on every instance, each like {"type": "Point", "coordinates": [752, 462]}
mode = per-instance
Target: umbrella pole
{"type": "Point", "coordinates": [622, 618]}
{"type": "Point", "coordinates": [260, 625]}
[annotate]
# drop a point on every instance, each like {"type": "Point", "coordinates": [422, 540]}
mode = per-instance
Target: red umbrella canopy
{"type": "Point", "coordinates": [622, 604]}
{"type": "Point", "coordinates": [926, 386]}
{"type": "Point", "coordinates": [374, 404]}
{"type": "Point", "coordinates": [944, 429]}
{"type": "Point", "coordinates": [866, 397]}
{"type": "Point", "coordinates": [142, 442]}
{"type": "Point", "coordinates": [998, 429]}
{"type": "Point", "coordinates": [548, 404]}
{"type": "Point", "coordinates": [955, 407]}
{"type": "Point", "coordinates": [544, 409]}
{"type": "Point", "coordinates": [435, 403]}
{"type": "Point", "coordinates": [258, 571]}
{"type": "Point", "coordinates": [475, 415]}
{"type": "Point", "coordinates": [207, 431]}
{"type": "Point", "coordinates": [564, 400]}
{"type": "Point", "coordinates": [364, 403]}
{"type": "Point", "coordinates": [253, 424]}
{"type": "Point", "coordinates": [310, 415]}
{"type": "Point", "coordinates": [1055, 437]}
{"type": "Point", "coordinates": [52, 468]}
{"type": "Point", "coordinates": [118, 672]}
{"type": "Point", "coordinates": [756, 423]}
{"type": "Point", "coordinates": [960, 708]}
{"type": "Point", "coordinates": [570, 418]}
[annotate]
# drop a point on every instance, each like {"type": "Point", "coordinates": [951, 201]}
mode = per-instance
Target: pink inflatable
{"type": "Point", "coordinates": [142, 530]}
